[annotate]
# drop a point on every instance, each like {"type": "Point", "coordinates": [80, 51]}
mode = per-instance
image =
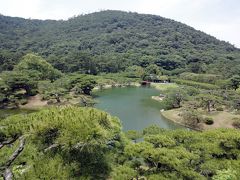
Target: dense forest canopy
{"type": "Point", "coordinates": [111, 41]}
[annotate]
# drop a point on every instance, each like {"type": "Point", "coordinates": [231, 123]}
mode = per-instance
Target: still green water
{"type": "Point", "coordinates": [134, 107]}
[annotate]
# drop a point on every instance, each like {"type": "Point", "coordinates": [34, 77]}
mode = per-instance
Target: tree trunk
{"type": "Point", "coordinates": [7, 175]}
{"type": "Point", "coordinates": [209, 106]}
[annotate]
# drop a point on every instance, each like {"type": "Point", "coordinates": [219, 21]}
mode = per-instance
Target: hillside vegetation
{"type": "Point", "coordinates": [111, 41]}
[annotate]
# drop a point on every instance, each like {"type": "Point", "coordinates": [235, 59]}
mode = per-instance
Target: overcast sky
{"type": "Point", "coordinates": [220, 18]}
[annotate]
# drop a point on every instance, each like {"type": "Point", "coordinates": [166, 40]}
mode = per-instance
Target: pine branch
{"type": "Point", "coordinates": [7, 142]}
{"type": "Point", "coordinates": [7, 175]}
{"type": "Point", "coordinates": [16, 152]}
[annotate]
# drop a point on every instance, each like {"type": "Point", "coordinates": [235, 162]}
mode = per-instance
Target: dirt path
{"type": "Point", "coordinates": [34, 102]}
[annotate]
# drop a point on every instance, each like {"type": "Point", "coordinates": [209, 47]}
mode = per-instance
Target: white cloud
{"type": "Point", "coordinates": [23, 8]}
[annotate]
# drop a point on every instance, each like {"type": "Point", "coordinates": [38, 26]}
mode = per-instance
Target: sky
{"type": "Point", "coordinates": [220, 18]}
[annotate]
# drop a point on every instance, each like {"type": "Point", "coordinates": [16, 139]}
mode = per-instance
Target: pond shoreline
{"type": "Point", "coordinates": [177, 121]}
{"type": "Point", "coordinates": [36, 103]}
{"type": "Point", "coordinates": [117, 85]}
{"type": "Point", "coordinates": [134, 106]}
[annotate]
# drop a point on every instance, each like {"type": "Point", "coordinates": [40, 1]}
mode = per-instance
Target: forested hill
{"type": "Point", "coordinates": [110, 41]}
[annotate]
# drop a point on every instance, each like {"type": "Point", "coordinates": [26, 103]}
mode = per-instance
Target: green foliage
{"type": "Point", "coordinates": [236, 123]}
{"type": "Point", "coordinates": [47, 167]}
{"type": "Point", "coordinates": [165, 87]}
{"type": "Point", "coordinates": [85, 143]}
{"type": "Point", "coordinates": [37, 64]}
{"type": "Point", "coordinates": [111, 41]}
{"type": "Point", "coordinates": [8, 60]}
{"type": "Point", "coordinates": [235, 82]}
{"type": "Point", "coordinates": [160, 141]}
{"type": "Point", "coordinates": [86, 85]}
{"type": "Point", "coordinates": [133, 135]}
{"type": "Point", "coordinates": [227, 174]}
{"type": "Point", "coordinates": [62, 142]}
{"type": "Point", "coordinates": [208, 100]}
{"type": "Point", "coordinates": [50, 90]}
{"type": "Point", "coordinates": [153, 69]}
{"type": "Point", "coordinates": [192, 118]}
{"type": "Point", "coordinates": [15, 87]}
{"type": "Point", "coordinates": [153, 129]}
{"type": "Point", "coordinates": [164, 78]}
{"type": "Point", "coordinates": [192, 91]}
{"type": "Point", "coordinates": [134, 71]}
{"type": "Point", "coordinates": [123, 172]}
{"type": "Point", "coordinates": [174, 98]}
{"type": "Point", "coordinates": [82, 83]}
{"type": "Point", "coordinates": [204, 78]}
{"type": "Point", "coordinates": [224, 84]}
{"type": "Point", "coordinates": [195, 84]}
{"type": "Point", "coordinates": [190, 152]}
{"type": "Point", "coordinates": [19, 80]}
{"type": "Point", "coordinates": [208, 120]}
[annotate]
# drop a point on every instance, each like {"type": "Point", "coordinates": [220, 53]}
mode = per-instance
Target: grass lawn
{"type": "Point", "coordinates": [173, 115]}
{"type": "Point", "coordinates": [222, 119]}
{"type": "Point", "coordinates": [164, 86]}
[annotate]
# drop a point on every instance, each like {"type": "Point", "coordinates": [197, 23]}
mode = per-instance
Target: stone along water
{"type": "Point", "coordinates": [134, 107]}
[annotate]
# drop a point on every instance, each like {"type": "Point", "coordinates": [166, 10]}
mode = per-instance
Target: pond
{"type": "Point", "coordinates": [134, 107]}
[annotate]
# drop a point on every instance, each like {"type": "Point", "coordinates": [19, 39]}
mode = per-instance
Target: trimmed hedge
{"type": "Point", "coordinates": [203, 78]}
{"type": "Point", "coordinates": [195, 84]}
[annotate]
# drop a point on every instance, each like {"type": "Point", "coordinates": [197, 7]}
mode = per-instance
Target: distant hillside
{"type": "Point", "coordinates": [110, 41]}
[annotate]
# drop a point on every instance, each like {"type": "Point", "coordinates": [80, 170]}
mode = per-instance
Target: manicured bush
{"type": "Point", "coordinates": [191, 118]}
{"type": "Point", "coordinates": [208, 121]}
{"type": "Point", "coordinates": [195, 84]}
{"type": "Point", "coordinates": [204, 78]}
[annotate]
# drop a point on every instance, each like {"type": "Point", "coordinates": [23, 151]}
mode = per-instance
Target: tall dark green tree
{"type": "Point", "coordinates": [235, 82]}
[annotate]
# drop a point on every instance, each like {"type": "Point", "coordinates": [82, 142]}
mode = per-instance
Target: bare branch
{"type": "Point", "coordinates": [16, 152]}
{"type": "Point", "coordinates": [8, 142]}
{"type": "Point", "coordinates": [7, 175]}
{"type": "Point", "coordinates": [51, 147]}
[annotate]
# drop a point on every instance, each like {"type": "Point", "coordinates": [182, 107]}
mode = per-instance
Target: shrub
{"type": "Point", "coordinates": [208, 121]}
{"type": "Point", "coordinates": [236, 123]}
{"type": "Point", "coordinates": [204, 78]}
{"type": "Point", "coordinates": [195, 84]}
{"type": "Point", "coordinates": [219, 109]}
{"type": "Point", "coordinates": [133, 135]}
{"type": "Point", "coordinates": [192, 118]}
